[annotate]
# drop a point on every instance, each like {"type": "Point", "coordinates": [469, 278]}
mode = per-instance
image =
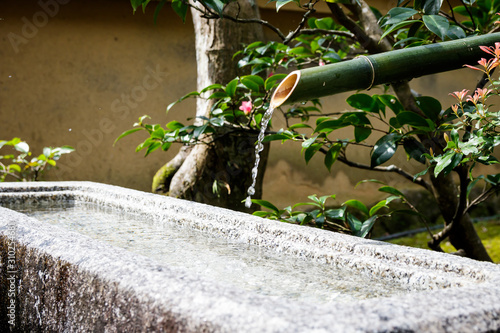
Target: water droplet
{"type": "Point", "coordinates": [248, 202]}
{"type": "Point", "coordinates": [69, 130]}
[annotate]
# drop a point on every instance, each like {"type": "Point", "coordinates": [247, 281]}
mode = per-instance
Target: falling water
{"type": "Point", "coordinates": [258, 148]}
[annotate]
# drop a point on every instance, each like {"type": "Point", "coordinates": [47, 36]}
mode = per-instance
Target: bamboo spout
{"type": "Point", "coordinates": [366, 71]}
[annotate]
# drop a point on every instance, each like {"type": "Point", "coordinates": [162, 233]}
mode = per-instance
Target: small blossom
{"type": "Point", "coordinates": [487, 64]}
{"type": "Point", "coordinates": [321, 62]}
{"type": "Point", "coordinates": [483, 93]}
{"type": "Point", "coordinates": [474, 99]}
{"type": "Point", "coordinates": [493, 50]}
{"type": "Point", "coordinates": [460, 95]}
{"type": "Point", "coordinates": [246, 107]}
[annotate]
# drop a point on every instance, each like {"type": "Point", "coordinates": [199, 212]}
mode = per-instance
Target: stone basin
{"type": "Point", "coordinates": [63, 280]}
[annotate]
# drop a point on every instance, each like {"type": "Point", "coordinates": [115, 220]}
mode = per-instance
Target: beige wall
{"type": "Point", "coordinates": [88, 71]}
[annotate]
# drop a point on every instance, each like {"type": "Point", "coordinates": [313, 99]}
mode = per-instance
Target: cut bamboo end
{"type": "Point", "coordinates": [285, 89]}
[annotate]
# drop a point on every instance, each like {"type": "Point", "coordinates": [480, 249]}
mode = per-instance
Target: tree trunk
{"type": "Point", "coordinates": [217, 173]}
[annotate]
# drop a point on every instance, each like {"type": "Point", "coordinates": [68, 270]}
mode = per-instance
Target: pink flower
{"type": "Point", "coordinates": [483, 93]}
{"type": "Point", "coordinates": [487, 64]}
{"type": "Point", "coordinates": [321, 62]}
{"type": "Point", "coordinates": [460, 94]}
{"type": "Point", "coordinates": [246, 107]}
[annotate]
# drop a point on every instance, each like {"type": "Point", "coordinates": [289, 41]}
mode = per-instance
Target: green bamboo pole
{"type": "Point", "coordinates": [365, 72]}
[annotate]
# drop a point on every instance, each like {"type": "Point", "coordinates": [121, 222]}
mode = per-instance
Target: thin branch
{"type": "Point", "coordinates": [470, 14]}
{"type": "Point", "coordinates": [390, 168]}
{"type": "Point", "coordinates": [447, 16]}
{"type": "Point", "coordinates": [327, 32]}
{"type": "Point", "coordinates": [295, 33]}
{"type": "Point", "coordinates": [482, 197]}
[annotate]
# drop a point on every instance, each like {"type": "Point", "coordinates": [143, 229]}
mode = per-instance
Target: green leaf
{"type": "Point", "coordinates": [332, 155]}
{"type": "Point", "coordinates": [430, 106]}
{"type": "Point", "coordinates": [272, 80]}
{"type": "Point", "coordinates": [391, 190]}
{"type": "Point", "coordinates": [313, 149]}
{"type": "Point", "coordinates": [152, 147]}
{"type": "Point", "coordinates": [414, 149]}
{"type": "Point", "coordinates": [174, 125]}
{"type": "Point", "coordinates": [252, 82]}
{"type": "Point", "coordinates": [363, 102]}
{"type": "Point", "coordinates": [231, 87]}
{"type": "Point", "coordinates": [275, 137]}
{"type": "Point", "coordinates": [266, 204]}
{"type": "Point", "coordinates": [136, 4]}
{"type": "Point", "coordinates": [133, 130]}
{"type": "Point", "coordinates": [398, 14]}
{"type": "Point", "coordinates": [362, 133]}
{"type": "Point", "coordinates": [437, 24]}
{"type": "Point", "coordinates": [281, 3]}
{"type": "Point", "coordinates": [412, 119]}
{"type": "Point", "coordinates": [180, 7]}
{"type": "Point", "coordinates": [432, 7]}
{"type": "Point", "coordinates": [354, 223]}
{"type": "Point", "coordinates": [397, 26]}
{"type": "Point", "coordinates": [210, 87]}
{"type": "Point", "coordinates": [367, 226]}
{"type": "Point", "coordinates": [384, 149]}
{"type": "Point", "coordinates": [391, 102]}
{"type": "Point", "coordinates": [159, 6]}
{"type": "Point", "coordinates": [216, 5]}
{"type": "Point", "coordinates": [14, 167]}
{"type": "Point", "coordinates": [22, 147]}
{"type": "Point", "coordinates": [456, 32]}
{"type": "Point", "coordinates": [357, 205]}
{"type": "Point", "coordinates": [443, 161]}
{"type": "Point", "coordinates": [193, 93]}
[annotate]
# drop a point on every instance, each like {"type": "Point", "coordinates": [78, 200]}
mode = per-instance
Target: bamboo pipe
{"type": "Point", "coordinates": [365, 72]}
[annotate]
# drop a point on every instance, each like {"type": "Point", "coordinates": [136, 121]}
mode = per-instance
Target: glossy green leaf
{"type": "Point", "coordinates": [430, 106]}
{"type": "Point", "coordinates": [265, 204]}
{"type": "Point", "coordinates": [456, 32]}
{"type": "Point", "coordinates": [273, 80]}
{"type": "Point", "coordinates": [158, 8]}
{"type": "Point", "coordinates": [173, 125]}
{"type": "Point", "coordinates": [332, 155]}
{"type": "Point", "coordinates": [398, 14]}
{"type": "Point", "coordinates": [311, 151]}
{"type": "Point", "coordinates": [357, 205]}
{"type": "Point", "coordinates": [391, 102]}
{"type": "Point", "coordinates": [437, 24]}
{"type": "Point", "coordinates": [431, 7]}
{"type": "Point", "coordinates": [363, 102]}
{"type": "Point", "coordinates": [391, 190]}
{"type": "Point", "coordinates": [362, 133]}
{"type": "Point", "coordinates": [384, 149]}
{"type": "Point", "coordinates": [216, 5]}
{"type": "Point", "coordinates": [14, 167]}
{"type": "Point", "coordinates": [367, 226]}
{"type": "Point", "coordinates": [397, 26]}
{"type": "Point", "coordinates": [252, 82]}
{"type": "Point", "coordinates": [412, 119]}
{"type": "Point", "coordinates": [414, 149]}
{"type": "Point", "coordinates": [22, 147]}
{"type": "Point", "coordinates": [281, 3]}
{"type": "Point", "coordinates": [180, 7]}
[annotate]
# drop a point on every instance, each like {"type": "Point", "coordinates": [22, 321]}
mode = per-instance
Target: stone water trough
{"type": "Point", "coordinates": [93, 275]}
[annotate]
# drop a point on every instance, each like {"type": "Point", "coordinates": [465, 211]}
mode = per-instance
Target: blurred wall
{"type": "Point", "coordinates": [80, 73]}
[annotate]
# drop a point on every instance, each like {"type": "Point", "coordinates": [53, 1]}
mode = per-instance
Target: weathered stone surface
{"type": "Point", "coordinates": [68, 282]}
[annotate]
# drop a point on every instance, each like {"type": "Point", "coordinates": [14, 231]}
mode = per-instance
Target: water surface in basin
{"type": "Point", "coordinates": [249, 267]}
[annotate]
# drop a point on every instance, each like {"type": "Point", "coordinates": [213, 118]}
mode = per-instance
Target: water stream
{"type": "Point", "coordinates": [258, 148]}
{"type": "Point", "coordinates": [224, 261]}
